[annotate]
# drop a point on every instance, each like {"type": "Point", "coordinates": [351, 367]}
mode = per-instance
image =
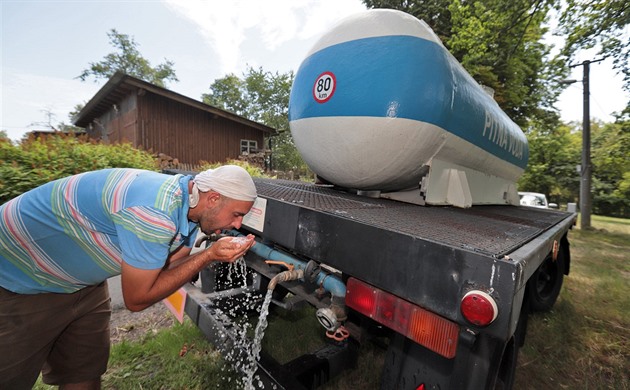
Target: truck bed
{"type": "Point", "coordinates": [427, 255]}
{"type": "Point", "coordinates": [490, 230]}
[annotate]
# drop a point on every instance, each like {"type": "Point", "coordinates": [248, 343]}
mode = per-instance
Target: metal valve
{"type": "Point", "coordinates": [328, 319]}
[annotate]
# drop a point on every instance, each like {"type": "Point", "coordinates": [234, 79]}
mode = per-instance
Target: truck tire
{"type": "Point", "coordinates": [544, 286]}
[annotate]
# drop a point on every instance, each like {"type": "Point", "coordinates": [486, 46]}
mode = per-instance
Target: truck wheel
{"type": "Point", "coordinates": [544, 286]}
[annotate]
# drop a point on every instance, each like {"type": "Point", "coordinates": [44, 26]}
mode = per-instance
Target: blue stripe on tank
{"type": "Point", "coordinates": [407, 77]}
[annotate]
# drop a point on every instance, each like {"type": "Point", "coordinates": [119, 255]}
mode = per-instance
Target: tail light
{"type": "Point", "coordinates": [425, 328]}
{"type": "Point", "coordinates": [479, 308]}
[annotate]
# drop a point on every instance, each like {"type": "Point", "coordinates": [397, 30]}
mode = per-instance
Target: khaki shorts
{"type": "Point", "coordinates": [65, 336]}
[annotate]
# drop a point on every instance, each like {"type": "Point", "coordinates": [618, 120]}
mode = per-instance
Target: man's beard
{"type": "Point", "coordinates": [207, 219]}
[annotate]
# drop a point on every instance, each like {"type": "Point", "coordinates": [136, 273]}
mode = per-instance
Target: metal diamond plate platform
{"type": "Point", "coordinates": [490, 230]}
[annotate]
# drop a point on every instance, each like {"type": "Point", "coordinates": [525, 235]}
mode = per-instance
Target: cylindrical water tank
{"type": "Point", "coordinates": [379, 97]}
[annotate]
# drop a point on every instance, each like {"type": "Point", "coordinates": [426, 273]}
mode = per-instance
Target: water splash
{"type": "Point", "coordinates": [254, 355]}
{"type": "Point", "coordinates": [236, 270]}
{"type": "Point", "coordinates": [243, 354]}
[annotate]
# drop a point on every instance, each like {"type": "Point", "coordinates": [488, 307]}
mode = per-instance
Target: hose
{"type": "Point", "coordinates": [328, 282]}
{"type": "Point", "coordinates": [285, 276]}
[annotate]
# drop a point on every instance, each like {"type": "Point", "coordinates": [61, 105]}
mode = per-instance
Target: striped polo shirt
{"type": "Point", "coordinates": [77, 231]}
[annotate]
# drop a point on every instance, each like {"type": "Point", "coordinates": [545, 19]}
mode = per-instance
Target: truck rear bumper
{"type": "Point", "coordinates": [305, 372]}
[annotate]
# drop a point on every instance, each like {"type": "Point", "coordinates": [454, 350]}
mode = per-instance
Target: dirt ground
{"type": "Point", "coordinates": [130, 326]}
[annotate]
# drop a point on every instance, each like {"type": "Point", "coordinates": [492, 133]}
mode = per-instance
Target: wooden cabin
{"type": "Point", "coordinates": [155, 119]}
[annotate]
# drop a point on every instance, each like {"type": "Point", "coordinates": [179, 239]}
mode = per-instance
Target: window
{"type": "Point", "coordinates": [248, 146]}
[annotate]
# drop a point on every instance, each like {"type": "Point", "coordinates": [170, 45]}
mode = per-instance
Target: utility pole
{"type": "Point", "coordinates": [586, 171]}
{"type": "Point", "coordinates": [585, 180]}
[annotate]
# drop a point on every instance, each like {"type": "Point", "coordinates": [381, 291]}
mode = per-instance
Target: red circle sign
{"type": "Point", "coordinates": [324, 87]}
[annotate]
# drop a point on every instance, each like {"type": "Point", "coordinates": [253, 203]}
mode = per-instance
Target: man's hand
{"type": "Point", "coordinates": [228, 249]}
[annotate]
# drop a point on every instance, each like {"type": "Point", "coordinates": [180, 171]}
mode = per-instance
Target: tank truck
{"type": "Point", "coordinates": [412, 233]}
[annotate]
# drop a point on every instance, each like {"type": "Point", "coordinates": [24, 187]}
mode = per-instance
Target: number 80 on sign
{"type": "Point", "coordinates": [324, 87]}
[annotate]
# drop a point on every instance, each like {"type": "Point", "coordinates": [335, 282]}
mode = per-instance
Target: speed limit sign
{"type": "Point", "coordinates": [324, 87]}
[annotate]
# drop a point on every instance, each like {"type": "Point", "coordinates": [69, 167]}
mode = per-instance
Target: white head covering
{"type": "Point", "coordinates": [230, 181]}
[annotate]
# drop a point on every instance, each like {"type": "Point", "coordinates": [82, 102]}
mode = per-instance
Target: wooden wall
{"type": "Point", "coordinates": [163, 125]}
{"type": "Point", "coordinates": [120, 124]}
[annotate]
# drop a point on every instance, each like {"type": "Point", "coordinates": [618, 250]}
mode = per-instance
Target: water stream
{"type": "Point", "coordinates": [237, 269]}
{"type": "Point", "coordinates": [254, 353]}
{"type": "Point", "coordinates": [245, 353]}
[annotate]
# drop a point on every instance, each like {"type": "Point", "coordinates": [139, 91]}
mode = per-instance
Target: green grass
{"type": "Point", "coordinates": [609, 224]}
{"type": "Point", "coordinates": [158, 362]}
{"type": "Point", "coordinates": [290, 333]}
{"type": "Point", "coordinates": [582, 343]}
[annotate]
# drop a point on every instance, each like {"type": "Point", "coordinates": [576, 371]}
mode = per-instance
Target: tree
{"type": "Point", "coordinates": [435, 13]}
{"type": "Point", "coordinates": [230, 93]}
{"type": "Point", "coordinates": [555, 152]}
{"type": "Point", "coordinates": [69, 128]}
{"type": "Point", "coordinates": [599, 23]}
{"type": "Point", "coordinates": [50, 118]}
{"type": "Point", "coordinates": [500, 44]}
{"type": "Point", "coordinates": [61, 126]}
{"type": "Point", "coordinates": [554, 156]}
{"type": "Point", "coordinates": [262, 97]}
{"type": "Point", "coordinates": [129, 61]}
{"type": "Point", "coordinates": [611, 168]}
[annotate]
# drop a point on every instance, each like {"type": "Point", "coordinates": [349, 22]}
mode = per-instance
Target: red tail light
{"type": "Point", "coordinates": [425, 328]}
{"type": "Point", "coordinates": [479, 308]}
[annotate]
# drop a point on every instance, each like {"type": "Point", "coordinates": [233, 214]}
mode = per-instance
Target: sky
{"type": "Point", "coordinates": [46, 44]}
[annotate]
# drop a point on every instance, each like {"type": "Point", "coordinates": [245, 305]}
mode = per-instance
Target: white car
{"type": "Point", "coordinates": [535, 199]}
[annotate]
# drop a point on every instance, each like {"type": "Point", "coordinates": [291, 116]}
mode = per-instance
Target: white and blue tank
{"type": "Point", "coordinates": [380, 106]}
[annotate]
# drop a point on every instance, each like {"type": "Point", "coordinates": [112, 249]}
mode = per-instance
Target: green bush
{"type": "Point", "coordinates": [36, 161]}
{"type": "Point", "coordinates": [253, 170]}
